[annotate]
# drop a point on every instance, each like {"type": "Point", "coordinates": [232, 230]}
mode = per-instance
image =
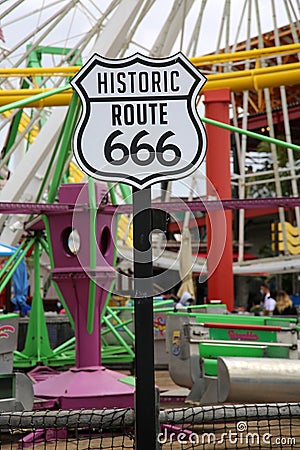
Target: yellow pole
{"type": "Point", "coordinates": [38, 71]}
{"type": "Point", "coordinates": [197, 61]}
{"type": "Point", "coordinates": [283, 75]}
{"type": "Point", "coordinates": [246, 54]}
{"type": "Point", "coordinates": [237, 81]}
{"type": "Point", "coordinates": [55, 100]}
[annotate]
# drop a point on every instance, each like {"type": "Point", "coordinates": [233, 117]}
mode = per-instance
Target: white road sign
{"type": "Point", "coordinates": [139, 123]}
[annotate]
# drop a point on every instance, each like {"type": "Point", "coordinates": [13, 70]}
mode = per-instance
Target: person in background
{"type": "Point", "coordinates": [168, 295]}
{"type": "Point", "coordinates": [268, 301]}
{"type": "Point", "coordinates": [284, 305]}
{"type": "Point", "coordinates": [185, 300]}
{"type": "Point", "coordinates": [257, 308]}
{"type": "Point", "coordinates": [20, 290]}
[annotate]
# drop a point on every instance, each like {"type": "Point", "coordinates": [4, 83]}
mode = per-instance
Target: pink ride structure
{"type": "Point", "coordinates": [88, 384]}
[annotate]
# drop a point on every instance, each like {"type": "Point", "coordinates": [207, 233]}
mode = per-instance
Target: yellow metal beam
{"type": "Point", "coordinates": [38, 71]}
{"type": "Point", "coordinates": [7, 97]}
{"type": "Point", "coordinates": [246, 55]}
{"type": "Point", "coordinates": [237, 81]}
{"type": "Point", "coordinates": [242, 80]}
{"type": "Point", "coordinates": [197, 61]}
{"type": "Point", "coordinates": [27, 92]}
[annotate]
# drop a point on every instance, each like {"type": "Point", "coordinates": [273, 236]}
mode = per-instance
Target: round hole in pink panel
{"type": "Point", "coordinates": [71, 241]}
{"type": "Point", "coordinates": [105, 241]}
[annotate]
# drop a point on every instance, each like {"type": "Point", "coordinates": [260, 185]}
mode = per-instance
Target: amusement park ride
{"type": "Point", "coordinates": [246, 82]}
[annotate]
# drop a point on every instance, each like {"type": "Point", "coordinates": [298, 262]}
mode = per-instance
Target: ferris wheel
{"type": "Point", "coordinates": [42, 44]}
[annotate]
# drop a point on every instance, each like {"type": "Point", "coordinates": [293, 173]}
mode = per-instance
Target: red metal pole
{"type": "Point", "coordinates": [220, 273]}
{"type": "Point", "coordinates": [242, 326]}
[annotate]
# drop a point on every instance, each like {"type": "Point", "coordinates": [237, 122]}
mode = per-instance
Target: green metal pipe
{"type": "Point", "coordinates": [107, 330]}
{"type": "Point", "coordinates": [37, 345]}
{"type": "Point", "coordinates": [111, 351]}
{"type": "Point", "coordinates": [12, 269]}
{"type": "Point", "coordinates": [122, 308]}
{"type": "Point", "coordinates": [108, 297]}
{"type": "Point", "coordinates": [110, 290]}
{"type": "Point", "coordinates": [163, 303]}
{"type": "Point", "coordinates": [114, 202]}
{"type": "Point", "coordinates": [119, 321]}
{"type": "Point", "coordinates": [65, 147]}
{"type": "Point", "coordinates": [29, 133]}
{"type": "Point", "coordinates": [118, 337]}
{"type": "Point", "coordinates": [251, 134]}
{"type": "Point", "coordinates": [103, 341]}
{"type": "Point", "coordinates": [112, 193]}
{"type": "Point", "coordinates": [126, 192]}
{"type": "Point", "coordinates": [13, 131]}
{"type": "Point", "coordinates": [92, 285]}
{"type": "Point", "coordinates": [170, 309]}
{"type": "Point", "coordinates": [33, 98]}
{"type": "Point", "coordinates": [50, 165]}
{"type": "Point", "coordinates": [45, 245]}
{"type": "Point", "coordinates": [65, 346]}
{"type": "Point", "coordinates": [12, 257]}
{"type": "Point", "coordinates": [37, 286]}
{"type": "Point", "coordinates": [20, 355]}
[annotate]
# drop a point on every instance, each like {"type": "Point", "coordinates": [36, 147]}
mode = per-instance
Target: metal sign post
{"type": "Point", "coordinates": [139, 125]}
{"type": "Point", "coordinates": [143, 321]}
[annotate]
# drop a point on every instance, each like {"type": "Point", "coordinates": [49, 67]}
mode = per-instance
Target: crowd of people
{"type": "Point", "coordinates": [273, 303]}
{"type": "Point", "coordinates": [265, 303]}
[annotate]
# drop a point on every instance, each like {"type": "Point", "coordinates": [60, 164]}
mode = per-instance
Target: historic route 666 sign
{"type": "Point", "coordinates": [139, 123]}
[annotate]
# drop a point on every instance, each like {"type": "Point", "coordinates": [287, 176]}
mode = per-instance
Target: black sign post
{"type": "Point", "coordinates": [143, 313]}
{"type": "Point", "coordinates": [139, 125]}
